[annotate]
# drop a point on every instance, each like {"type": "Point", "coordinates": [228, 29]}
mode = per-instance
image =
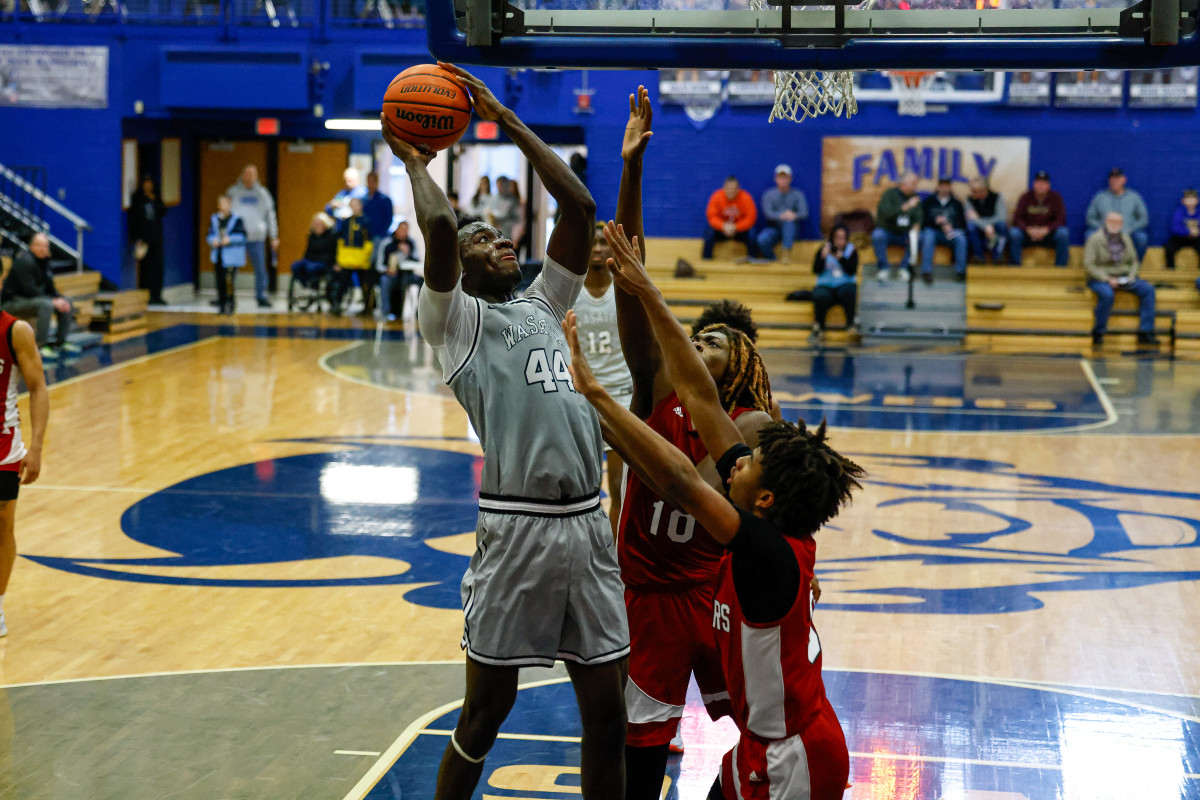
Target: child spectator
{"type": "Point", "coordinates": [1185, 228]}
{"type": "Point", "coordinates": [227, 250]}
{"type": "Point", "coordinates": [835, 265]}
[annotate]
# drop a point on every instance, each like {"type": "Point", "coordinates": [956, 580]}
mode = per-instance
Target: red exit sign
{"type": "Point", "coordinates": [266, 126]}
{"type": "Point", "coordinates": [487, 130]}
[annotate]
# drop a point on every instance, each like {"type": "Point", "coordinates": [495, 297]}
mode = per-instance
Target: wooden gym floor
{"type": "Point", "coordinates": [239, 576]}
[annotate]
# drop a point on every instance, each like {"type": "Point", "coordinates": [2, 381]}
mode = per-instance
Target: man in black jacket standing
{"type": "Point", "coordinates": [29, 290]}
{"type": "Point", "coordinates": [146, 212]}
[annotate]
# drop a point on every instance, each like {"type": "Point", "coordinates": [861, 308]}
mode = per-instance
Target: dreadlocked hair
{"type": "Point", "coordinates": [745, 383]}
{"type": "Point", "coordinates": [810, 480]}
{"type": "Point", "coordinates": [730, 313]}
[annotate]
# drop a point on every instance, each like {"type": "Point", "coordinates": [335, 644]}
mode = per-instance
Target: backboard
{"type": "Point", "coordinates": [801, 35]}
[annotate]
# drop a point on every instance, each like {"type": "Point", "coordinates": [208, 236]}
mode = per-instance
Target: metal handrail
{"type": "Point", "coordinates": [81, 225]}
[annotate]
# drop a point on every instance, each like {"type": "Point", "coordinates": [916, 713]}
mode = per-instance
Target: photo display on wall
{"type": "Point", "coordinates": [1102, 88]}
{"type": "Point", "coordinates": [1030, 88]}
{"type": "Point", "coordinates": [1163, 88]}
{"type": "Point", "coordinates": [701, 92]}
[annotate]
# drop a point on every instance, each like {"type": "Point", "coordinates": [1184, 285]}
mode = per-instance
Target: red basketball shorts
{"type": "Point", "coordinates": [813, 764]}
{"type": "Point", "coordinates": [670, 637]}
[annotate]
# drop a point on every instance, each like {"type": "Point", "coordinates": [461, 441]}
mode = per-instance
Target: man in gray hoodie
{"type": "Point", "coordinates": [254, 204]}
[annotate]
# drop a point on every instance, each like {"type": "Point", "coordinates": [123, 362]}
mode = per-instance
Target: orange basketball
{"type": "Point", "coordinates": [427, 105]}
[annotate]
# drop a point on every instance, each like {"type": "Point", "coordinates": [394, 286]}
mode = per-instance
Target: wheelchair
{"type": "Point", "coordinates": [308, 294]}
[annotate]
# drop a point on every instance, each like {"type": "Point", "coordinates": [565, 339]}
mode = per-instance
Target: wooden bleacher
{"type": "Point", "coordinates": [1036, 307]}
{"type": "Point", "coordinates": [80, 288]}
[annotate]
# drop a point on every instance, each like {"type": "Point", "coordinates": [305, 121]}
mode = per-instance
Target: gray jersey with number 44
{"type": "Point", "coordinates": [507, 364]}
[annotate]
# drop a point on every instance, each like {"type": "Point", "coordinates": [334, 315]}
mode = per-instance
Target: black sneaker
{"type": "Point", "coordinates": [1147, 337]}
{"type": "Point", "coordinates": [264, 303]}
{"type": "Point", "coordinates": [1097, 338]}
{"type": "Point", "coordinates": [928, 278]}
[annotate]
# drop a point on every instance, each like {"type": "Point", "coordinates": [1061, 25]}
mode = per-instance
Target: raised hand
{"type": "Point", "coordinates": [581, 372]}
{"type": "Point", "coordinates": [404, 151]}
{"type": "Point", "coordinates": [637, 130]}
{"type": "Point", "coordinates": [626, 264]}
{"type": "Point", "coordinates": [485, 103]}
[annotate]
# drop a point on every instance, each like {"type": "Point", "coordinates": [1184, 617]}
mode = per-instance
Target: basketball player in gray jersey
{"type": "Point", "coordinates": [596, 312]}
{"type": "Point", "coordinates": [543, 584]}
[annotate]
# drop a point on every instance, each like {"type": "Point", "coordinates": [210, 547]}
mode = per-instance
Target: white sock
{"type": "Point", "coordinates": [1, 604]}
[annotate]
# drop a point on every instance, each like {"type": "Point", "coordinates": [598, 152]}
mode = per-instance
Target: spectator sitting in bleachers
{"type": "Point", "coordinates": [897, 221]}
{"type": "Point", "coordinates": [354, 250]}
{"type": "Point", "coordinates": [1041, 221]}
{"type": "Point", "coordinates": [1126, 202]}
{"type": "Point", "coordinates": [1112, 265]}
{"type": "Point", "coordinates": [319, 253]}
{"type": "Point", "coordinates": [987, 220]}
{"type": "Point", "coordinates": [945, 222]}
{"type": "Point", "coordinates": [784, 209]}
{"type": "Point", "coordinates": [835, 265]}
{"type": "Point", "coordinates": [1185, 228]}
{"type": "Point", "coordinates": [731, 214]}
{"type": "Point", "coordinates": [400, 263]}
{"type": "Point", "coordinates": [29, 291]}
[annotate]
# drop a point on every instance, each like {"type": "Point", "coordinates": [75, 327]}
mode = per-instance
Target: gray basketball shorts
{"type": "Point", "coordinates": [543, 585]}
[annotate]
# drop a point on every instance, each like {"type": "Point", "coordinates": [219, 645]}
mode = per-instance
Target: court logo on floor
{"type": "Point", "coordinates": [969, 536]}
{"type": "Point", "coordinates": [371, 512]}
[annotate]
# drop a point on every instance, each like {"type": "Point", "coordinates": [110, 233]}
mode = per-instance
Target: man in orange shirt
{"type": "Point", "coordinates": [731, 214]}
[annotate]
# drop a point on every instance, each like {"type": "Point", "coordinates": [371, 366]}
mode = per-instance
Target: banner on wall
{"type": "Point", "coordinates": [858, 169]}
{"type": "Point", "coordinates": [751, 87]}
{"type": "Point", "coordinates": [1102, 88]}
{"type": "Point", "coordinates": [701, 92]}
{"type": "Point", "coordinates": [54, 77]}
{"type": "Point", "coordinates": [1029, 88]}
{"type": "Point", "coordinates": [1163, 88]}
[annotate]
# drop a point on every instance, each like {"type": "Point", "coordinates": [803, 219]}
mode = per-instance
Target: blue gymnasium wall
{"type": "Point", "coordinates": [80, 149]}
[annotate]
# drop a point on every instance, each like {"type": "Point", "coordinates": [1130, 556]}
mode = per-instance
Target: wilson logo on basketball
{"type": "Point", "coordinates": [430, 122]}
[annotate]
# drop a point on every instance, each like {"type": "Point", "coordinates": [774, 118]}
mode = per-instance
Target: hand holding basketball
{"type": "Point", "coordinates": [408, 153]}
{"type": "Point", "coordinates": [485, 103]}
{"type": "Point", "coordinates": [637, 130]}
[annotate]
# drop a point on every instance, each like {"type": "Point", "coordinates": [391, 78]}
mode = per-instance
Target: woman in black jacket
{"type": "Point", "coordinates": [836, 268]}
{"type": "Point", "coordinates": [146, 212]}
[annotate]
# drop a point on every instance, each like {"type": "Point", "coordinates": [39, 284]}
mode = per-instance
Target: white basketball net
{"type": "Point", "coordinates": [800, 95]}
{"type": "Point", "coordinates": [910, 89]}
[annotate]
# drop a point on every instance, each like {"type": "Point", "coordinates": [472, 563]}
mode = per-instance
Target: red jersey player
{"type": "Point", "coordinates": [669, 563]}
{"type": "Point", "coordinates": [780, 494]}
{"type": "Point", "coordinates": [19, 464]}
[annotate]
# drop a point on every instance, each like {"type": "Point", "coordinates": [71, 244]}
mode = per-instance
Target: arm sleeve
{"type": "Point", "coordinates": [1000, 215]}
{"type": "Point", "coordinates": [213, 234]}
{"type": "Point", "coordinates": [1141, 217]}
{"type": "Point", "coordinates": [850, 260]}
{"type": "Point", "coordinates": [1060, 212]}
{"type": "Point", "coordinates": [713, 211]}
{"type": "Point", "coordinates": [766, 574]}
{"type": "Point", "coordinates": [1092, 218]}
{"type": "Point", "coordinates": [772, 204]}
{"type": "Point", "coordinates": [556, 287]}
{"type": "Point", "coordinates": [887, 210]}
{"type": "Point", "coordinates": [1091, 260]}
{"type": "Point", "coordinates": [748, 211]}
{"type": "Point", "coordinates": [272, 220]}
{"type": "Point", "coordinates": [801, 205]}
{"type": "Point", "coordinates": [818, 262]}
{"type": "Point", "coordinates": [1019, 214]}
{"type": "Point", "coordinates": [451, 323]}
{"type": "Point", "coordinates": [237, 233]}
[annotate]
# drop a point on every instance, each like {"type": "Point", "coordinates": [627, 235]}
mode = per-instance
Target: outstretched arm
{"type": "Point", "coordinates": [683, 365]}
{"type": "Point", "coordinates": [675, 478]}
{"type": "Point", "coordinates": [571, 242]}
{"type": "Point", "coordinates": [641, 350]}
{"type": "Point", "coordinates": [29, 360]}
{"type": "Point", "coordinates": [434, 215]}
